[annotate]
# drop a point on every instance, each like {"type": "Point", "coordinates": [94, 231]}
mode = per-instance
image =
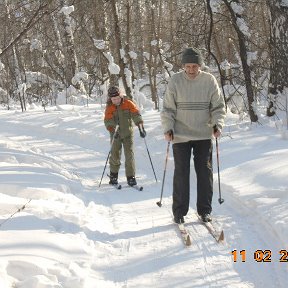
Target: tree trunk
{"type": "Point", "coordinates": [127, 46]}
{"type": "Point", "coordinates": [71, 62]}
{"type": "Point", "coordinates": [245, 66]}
{"type": "Point", "coordinates": [278, 52]}
{"type": "Point", "coordinates": [14, 65]}
{"type": "Point", "coordinates": [119, 46]}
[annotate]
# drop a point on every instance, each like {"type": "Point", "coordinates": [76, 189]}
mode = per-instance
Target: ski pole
{"type": "Point", "coordinates": [220, 200]}
{"type": "Point", "coordinates": [143, 131]}
{"type": "Point", "coordinates": [159, 203]}
{"type": "Point", "coordinates": [114, 137]}
{"type": "Point", "coordinates": [150, 159]}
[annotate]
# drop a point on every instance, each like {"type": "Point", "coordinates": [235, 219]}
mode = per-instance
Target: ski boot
{"type": "Point", "coordinates": [113, 178]}
{"type": "Point", "coordinates": [131, 181]}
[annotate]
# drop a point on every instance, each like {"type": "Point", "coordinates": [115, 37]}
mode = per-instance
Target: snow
{"type": "Point", "coordinates": [251, 56]}
{"type": "Point", "coordinates": [113, 67]}
{"type": "Point", "coordinates": [243, 26]}
{"type": "Point", "coordinates": [79, 76]}
{"type": "Point", "coordinates": [2, 66]}
{"type": "Point", "coordinates": [238, 9]}
{"type": "Point", "coordinates": [128, 75]}
{"type": "Point", "coordinates": [67, 10]}
{"type": "Point", "coordinates": [154, 43]}
{"type": "Point", "coordinates": [215, 5]}
{"type": "Point", "coordinates": [132, 55]}
{"type": "Point", "coordinates": [58, 228]}
{"type": "Point", "coordinates": [99, 44]}
{"type": "Point", "coordinates": [35, 45]}
{"type": "Point", "coordinates": [284, 3]}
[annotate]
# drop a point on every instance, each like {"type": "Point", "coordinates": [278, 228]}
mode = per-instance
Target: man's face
{"type": "Point", "coordinates": [191, 69]}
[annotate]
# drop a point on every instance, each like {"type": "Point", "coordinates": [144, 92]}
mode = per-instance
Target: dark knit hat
{"type": "Point", "coordinates": [113, 91]}
{"type": "Point", "coordinates": [192, 55]}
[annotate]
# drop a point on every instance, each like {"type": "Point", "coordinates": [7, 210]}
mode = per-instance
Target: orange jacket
{"type": "Point", "coordinates": [122, 115]}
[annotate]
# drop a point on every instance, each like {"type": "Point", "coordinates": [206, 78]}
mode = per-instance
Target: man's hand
{"type": "Point", "coordinates": [169, 135]}
{"type": "Point", "coordinates": [216, 131]}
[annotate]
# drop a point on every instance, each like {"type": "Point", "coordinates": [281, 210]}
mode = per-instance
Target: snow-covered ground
{"type": "Point", "coordinates": [58, 228]}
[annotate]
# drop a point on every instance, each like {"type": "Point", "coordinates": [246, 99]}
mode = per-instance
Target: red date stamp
{"type": "Point", "coordinates": [260, 256]}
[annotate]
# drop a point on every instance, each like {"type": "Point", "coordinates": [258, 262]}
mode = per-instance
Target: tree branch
{"type": "Point", "coordinates": [29, 25]}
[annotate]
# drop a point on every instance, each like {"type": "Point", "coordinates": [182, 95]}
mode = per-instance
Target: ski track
{"type": "Point", "coordinates": [261, 237]}
{"type": "Point", "coordinates": [130, 228]}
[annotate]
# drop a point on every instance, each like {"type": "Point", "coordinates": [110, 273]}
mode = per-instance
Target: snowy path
{"type": "Point", "coordinates": [86, 236]}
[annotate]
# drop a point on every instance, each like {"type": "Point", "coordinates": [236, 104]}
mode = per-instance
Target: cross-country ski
{"type": "Point", "coordinates": [216, 233]}
{"type": "Point", "coordinates": [185, 235]}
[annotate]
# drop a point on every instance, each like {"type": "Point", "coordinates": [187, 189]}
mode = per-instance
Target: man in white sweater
{"type": "Point", "coordinates": [193, 112]}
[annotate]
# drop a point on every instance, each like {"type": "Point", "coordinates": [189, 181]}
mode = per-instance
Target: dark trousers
{"type": "Point", "coordinates": [202, 153]}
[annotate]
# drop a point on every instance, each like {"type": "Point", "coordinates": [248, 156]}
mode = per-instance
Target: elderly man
{"type": "Point", "coordinates": [193, 113]}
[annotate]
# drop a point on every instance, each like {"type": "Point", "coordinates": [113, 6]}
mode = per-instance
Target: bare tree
{"type": "Point", "coordinates": [119, 47]}
{"type": "Point", "coordinates": [71, 62]}
{"type": "Point", "coordinates": [278, 52]}
{"type": "Point", "coordinates": [157, 31]}
{"type": "Point", "coordinates": [236, 18]}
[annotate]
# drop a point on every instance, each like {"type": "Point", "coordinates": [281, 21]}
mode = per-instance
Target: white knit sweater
{"type": "Point", "coordinates": [192, 107]}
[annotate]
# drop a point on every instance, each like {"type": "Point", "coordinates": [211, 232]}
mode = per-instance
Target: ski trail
{"type": "Point", "coordinates": [132, 242]}
{"type": "Point", "coordinates": [245, 230]}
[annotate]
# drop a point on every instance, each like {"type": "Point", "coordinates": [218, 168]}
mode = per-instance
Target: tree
{"type": "Point", "coordinates": [237, 21]}
{"type": "Point", "coordinates": [278, 51]}
{"type": "Point", "coordinates": [88, 40]}
{"type": "Point", "coordinates": [71, 62]}
{"type": "Point", "coordinates": [119, 47]}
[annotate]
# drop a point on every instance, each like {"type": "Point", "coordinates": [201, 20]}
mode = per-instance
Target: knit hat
{"type": "Point", "coordinates": [192, 55]}
{"type": "Point", "coordinates": [113, 91]}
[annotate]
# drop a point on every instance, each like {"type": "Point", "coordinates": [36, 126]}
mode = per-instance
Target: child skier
{"type": "Point", "coordinates": [119, 114]}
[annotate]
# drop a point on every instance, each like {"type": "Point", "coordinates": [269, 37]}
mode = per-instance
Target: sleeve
{"type": "Point", "coordinates": [168, 113]}
{"type": "Point", "coordinates": [109, 119]}
{"type": "Point", "coordinates": [135, 113]}
{"type": "Point", "coordinates": [217, 106]}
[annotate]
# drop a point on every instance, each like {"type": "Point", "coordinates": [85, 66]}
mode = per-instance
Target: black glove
{"type": "Point", "coordinates": [142, 131]}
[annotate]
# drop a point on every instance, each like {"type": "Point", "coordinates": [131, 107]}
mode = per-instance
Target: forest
{"type": "Point", "coordinates": [74, 49]}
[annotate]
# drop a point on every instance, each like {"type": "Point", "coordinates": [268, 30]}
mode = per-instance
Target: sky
{"type": "Point", "coordinates": [58, 228]}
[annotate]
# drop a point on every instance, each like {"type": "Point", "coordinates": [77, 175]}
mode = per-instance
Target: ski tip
{"type": "Point", "coordinates": [188, 241]}
{"type": "Point", "coordinates": [221, 237]}
{"type": "Point", "coordinates": [141, 188]}
{"type": "Point", "coordinates": [119, 187]}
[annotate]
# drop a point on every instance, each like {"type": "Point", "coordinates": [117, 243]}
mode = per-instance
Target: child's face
{"type": "Point", "coordinates": [116, 100]}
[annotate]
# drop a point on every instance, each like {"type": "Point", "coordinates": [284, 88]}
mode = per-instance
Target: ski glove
{"type": "Point", "coordinates": [142, 131]}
